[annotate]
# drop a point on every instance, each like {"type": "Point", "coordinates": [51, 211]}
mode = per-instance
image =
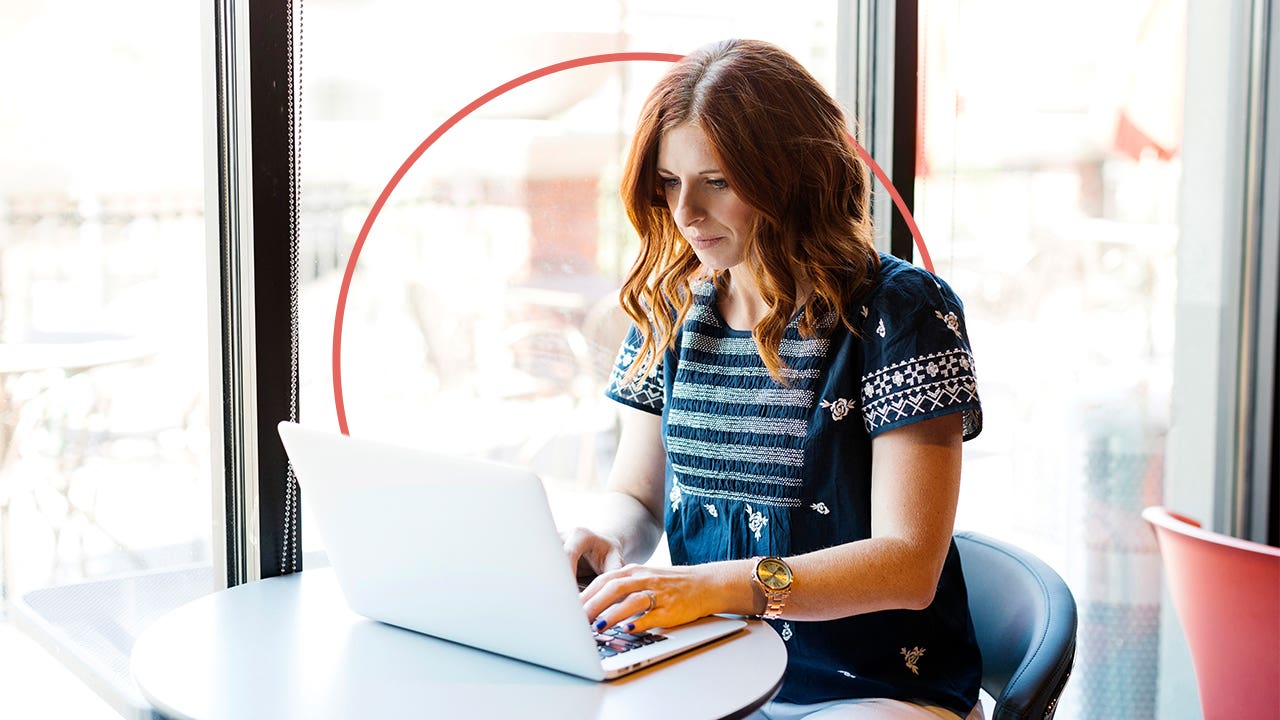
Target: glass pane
{"type": "Point", "coordinates": [1046, 194]}
{"type": "Point", "coordinates": [481, 314]}
{"type": "Point", "coordinates": [104, 434]}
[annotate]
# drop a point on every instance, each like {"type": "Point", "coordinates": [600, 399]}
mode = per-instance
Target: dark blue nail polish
{"type": "Point", "coordinates": [600, 624]}
{"type": "Point", "coordinates": [631, 626]}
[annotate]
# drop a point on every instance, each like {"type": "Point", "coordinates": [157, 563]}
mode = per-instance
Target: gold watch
{"type": "Point", "coordinates": [773, 576]}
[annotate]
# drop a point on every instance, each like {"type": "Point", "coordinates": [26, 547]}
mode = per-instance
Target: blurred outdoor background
{"type": "Point", "coordinates": [481, 319]}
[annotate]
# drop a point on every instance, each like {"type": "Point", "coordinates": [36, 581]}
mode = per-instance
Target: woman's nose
{"type": "Point", "coordinates": [687, 211]}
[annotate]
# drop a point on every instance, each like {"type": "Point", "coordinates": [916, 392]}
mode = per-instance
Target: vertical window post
{"type": "Point", "coordinates": [906, 125]}
{"type": "Point", "coordinates": [254, 247]}
{"type": "Point", "coordinates": [1253, 502]}
{"type": "Point", "coordinates": [879, 84]}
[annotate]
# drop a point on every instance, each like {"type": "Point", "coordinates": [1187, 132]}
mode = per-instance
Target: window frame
{"type": "Point", "coordinates": [252, 162]}
{"type": "Point", "coordinates": [876, 79]}
{"type": "Point", "coordinates": [1255, 513]}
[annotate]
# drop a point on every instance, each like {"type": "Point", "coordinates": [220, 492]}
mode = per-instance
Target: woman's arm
{"type": "Point", "coordinates": [915, 486]}
{"type": "Point", "coordinates": [628, 518]}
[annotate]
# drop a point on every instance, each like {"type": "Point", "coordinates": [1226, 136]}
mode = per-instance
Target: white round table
{"type": "Point", "coordinates": [288, 647]}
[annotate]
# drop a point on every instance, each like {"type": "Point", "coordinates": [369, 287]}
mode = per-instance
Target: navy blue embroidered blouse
{"type": "Point", "coordinates": [757, 468]}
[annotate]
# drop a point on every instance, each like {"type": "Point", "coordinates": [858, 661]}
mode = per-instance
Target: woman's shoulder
{"type": "Point", "coordinates": [901, 286]}
{"type": "Point", "coordinates": [898, 275]}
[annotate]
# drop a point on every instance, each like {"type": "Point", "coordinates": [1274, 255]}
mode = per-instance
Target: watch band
{"type": "Point", "coordinates": [773, 604]}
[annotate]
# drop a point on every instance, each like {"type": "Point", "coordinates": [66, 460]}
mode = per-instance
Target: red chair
{"type": "Point", "coordinates": [1226, 592]}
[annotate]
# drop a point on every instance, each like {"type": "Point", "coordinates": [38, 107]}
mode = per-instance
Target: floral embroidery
{"type": "Point", "coordinates": [953, 322]}
{"type": "Point", "coordinates": [839, 408]}
{"type": "Point", "coordinates": [756, 521]}
{"type": "Point", "coordinates": [675, 497]}
{"type": "Point", "coordinates": [880, 328]}
{"type": "Point", "coordinates": [786, 632]}
{"type": "Point", "coordinates": [864, 311]}
{"type": "Point", "coordinates": [912, 656]}
{"type": "Point", "coordinates": [821, 508]}
{"type": "Point", "coordinates": [848, 674]}
{"type": "Point", "coordinates": [711, 510]}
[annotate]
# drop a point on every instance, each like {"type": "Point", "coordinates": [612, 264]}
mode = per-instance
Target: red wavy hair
{"type": "Point", "coordinates": [784, 148]}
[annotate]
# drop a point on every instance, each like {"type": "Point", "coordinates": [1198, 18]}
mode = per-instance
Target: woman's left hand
{"type": "Point", "coordinates": [659, 596]}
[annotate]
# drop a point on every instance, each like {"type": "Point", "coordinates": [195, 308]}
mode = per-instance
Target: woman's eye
{"type": "Point", "coordinates": [668, 183]}
{"type": "Point", "coordinates": [719, 184]}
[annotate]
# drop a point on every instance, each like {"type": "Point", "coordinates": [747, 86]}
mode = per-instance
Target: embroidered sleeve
{"type": "Point", "coordinates": [917, 361]}
{"type": "Point", "coordinates": [644, 392]}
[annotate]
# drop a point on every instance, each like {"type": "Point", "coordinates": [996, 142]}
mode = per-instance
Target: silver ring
{"type": "Point", "coordinates": [653, 600]}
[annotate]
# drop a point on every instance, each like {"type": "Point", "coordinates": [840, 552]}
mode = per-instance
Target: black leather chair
{"type": "Point", "coordinates": [1025, 618]}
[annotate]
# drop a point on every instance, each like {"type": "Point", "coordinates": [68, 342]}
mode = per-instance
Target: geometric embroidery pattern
{"type": "Point", "coordinates": [643, 391]}
{"type": "Point", "coordinates": [918, 386]}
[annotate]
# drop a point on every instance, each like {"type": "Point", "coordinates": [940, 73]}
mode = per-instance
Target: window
{"type": "Point", "coordinates": [104, 433]}
{"type": "Point", "coordinates": [1047, 189]}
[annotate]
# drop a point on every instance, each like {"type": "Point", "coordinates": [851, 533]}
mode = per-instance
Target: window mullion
{"type": "Point", "coordinates": [256, 244]}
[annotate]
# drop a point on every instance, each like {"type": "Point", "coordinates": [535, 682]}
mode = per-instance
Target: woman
{"type": "Point", "coordinates": [794, 402]}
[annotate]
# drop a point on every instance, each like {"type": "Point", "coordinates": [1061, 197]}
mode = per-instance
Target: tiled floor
{"type": "Point", "coordinates": [33, 684]}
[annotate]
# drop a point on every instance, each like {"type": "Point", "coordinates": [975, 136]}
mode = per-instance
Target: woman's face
{"type": "Point", "coordinates": [712, 218]}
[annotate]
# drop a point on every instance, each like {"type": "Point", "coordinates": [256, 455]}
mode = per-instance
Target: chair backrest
{"type": "Point", "coordinates": [1024, 617]}
{"type": "Point", "coordinates": [1226, 592]}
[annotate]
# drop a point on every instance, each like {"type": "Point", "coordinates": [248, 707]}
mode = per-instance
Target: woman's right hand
{"type": "Point", "coordinates": [590, 553]}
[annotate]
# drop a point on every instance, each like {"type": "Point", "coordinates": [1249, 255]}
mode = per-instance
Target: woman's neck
{"type": "Point", "coordinates": [742, 306]}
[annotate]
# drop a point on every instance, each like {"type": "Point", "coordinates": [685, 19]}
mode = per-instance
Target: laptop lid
{"type": "Point", "coordinates": [464, 550]}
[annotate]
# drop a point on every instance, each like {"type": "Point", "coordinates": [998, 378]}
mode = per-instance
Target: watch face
{"type": "Point", "coordinates": [774, 574]}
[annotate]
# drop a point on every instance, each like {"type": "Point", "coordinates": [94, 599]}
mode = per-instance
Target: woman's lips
{"type": "Point", "coordinates": [702, 243]}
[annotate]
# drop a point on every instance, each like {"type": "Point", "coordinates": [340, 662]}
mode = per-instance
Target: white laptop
{"type": "Point", "coordinates": [464, 550]}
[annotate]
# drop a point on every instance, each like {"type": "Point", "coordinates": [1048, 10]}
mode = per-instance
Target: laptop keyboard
{"type": "Point", "coordinates": [614, 641]}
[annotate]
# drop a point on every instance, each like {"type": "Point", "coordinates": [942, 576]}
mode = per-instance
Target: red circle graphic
{"type": "Point", "coordinates": [472, 107]}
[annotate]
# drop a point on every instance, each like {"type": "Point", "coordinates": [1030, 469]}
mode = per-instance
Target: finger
{"type": "Point", "coordinates": [612, 559]}
{"type": "Point", "coordinates": [596, 557]}
{"type": "Point", "coordinates": [665, 614]}
{"type": "Point", "coordinates": [616, 591]}
{"type": "Point", "coordinates": [574, 547]}
{"type": "Point", "coordinates": [602, 583]}
{"type": "Point", "coordinates": [594, 554]}
{"type": "Point", "coordinates": [625, 613]}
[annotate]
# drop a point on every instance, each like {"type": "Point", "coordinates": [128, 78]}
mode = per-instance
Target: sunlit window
{"type": "Point", "coordinates": [104, 434]}
{"type": "Point", "coordinates": [1047, 193]}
